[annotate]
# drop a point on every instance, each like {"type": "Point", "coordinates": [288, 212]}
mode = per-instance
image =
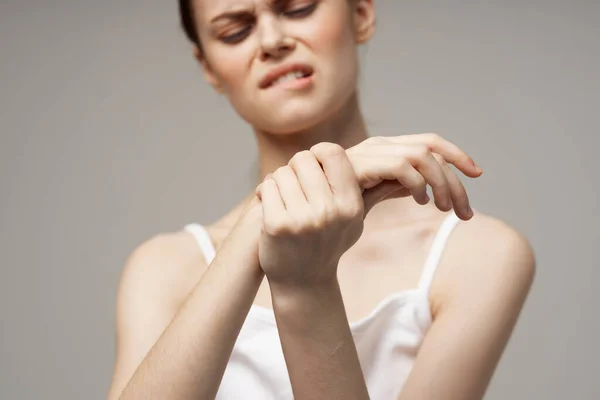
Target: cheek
{"type": "Point", "coordinates": [328, 28]}
{"type": "Point", "coordinates": [234, 71]}
{"type": "Point", "coordinates": [331, 39]}
{"type": "Point", "coordinates": [232, 68]}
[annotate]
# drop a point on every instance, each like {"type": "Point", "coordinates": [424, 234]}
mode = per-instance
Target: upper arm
{"type": "Point", "coordinates": [153, 283]}
{"type": "Point", "coordinates": [482, 299]}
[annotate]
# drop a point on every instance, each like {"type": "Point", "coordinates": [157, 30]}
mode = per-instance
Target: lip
{"type": "Point", "coordinates": [278, 72]}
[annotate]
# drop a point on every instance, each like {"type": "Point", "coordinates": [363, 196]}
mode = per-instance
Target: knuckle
{"type": "Point", "coordinates": [401, 164]}
{"type": "Point", "coordinates": [305, 223]}
{"type": "Point", "coordinates": [421, 152]}
{"type": "Point", "coordinates": [300, 158]}
{"type": "Point", "coordinates": [317, 223]}
{"type": "Point", "coordinates": [281, 172]}
{"type": "Point", "coordinates": [283, 227]}
{"type": "Point", "coordinates": [276, 174]}
{"type": "Point", "coordinates": [376, 140]}
{"type": "Point", "coordinates": [419, 181]}
{"type": "Point", "coordinates": [275, 228]}
{"type": "Point", "coordinates": [321, 216]}
{"type": "Point", "coordinates": [351, 210]}
{"type": "Point", "coordinates": [319, 147]}
{"type": "Point", "coordinates": [433, 137]}
{"type": "Point", "coordinates": [295, 228]}
{"type": "Point", "coordinates": [327, 149]}
{"type": "Point", "coordinates": [321, 213]}
{"type": "Point", "coordinates": [441, 160]}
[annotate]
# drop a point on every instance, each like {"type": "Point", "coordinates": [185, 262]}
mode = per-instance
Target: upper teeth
{"type": "Point", "coordinates": [288, 77]}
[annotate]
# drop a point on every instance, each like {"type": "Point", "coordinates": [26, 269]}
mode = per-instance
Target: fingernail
{"type": "Point", "coordinates": [477, 167]}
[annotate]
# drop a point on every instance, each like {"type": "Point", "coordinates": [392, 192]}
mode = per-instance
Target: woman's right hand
{"type": "Point", "coordinates": [403, 166]}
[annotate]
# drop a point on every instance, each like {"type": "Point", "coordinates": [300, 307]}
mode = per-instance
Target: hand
{"type": "Point", "coordinates": [403, 166]}
{"type": "Point", "coordinates": [312, 213]}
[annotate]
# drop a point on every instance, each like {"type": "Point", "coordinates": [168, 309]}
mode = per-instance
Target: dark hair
{"type": "Point", "coordinates": [186, 13]}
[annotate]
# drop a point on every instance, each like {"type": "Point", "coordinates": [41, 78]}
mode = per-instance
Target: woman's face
{"type": "Point", "coordinates": [285, 65]}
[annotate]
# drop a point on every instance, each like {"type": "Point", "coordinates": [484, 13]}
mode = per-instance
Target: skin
{"type": "Point", "coordinates": [366, 197]}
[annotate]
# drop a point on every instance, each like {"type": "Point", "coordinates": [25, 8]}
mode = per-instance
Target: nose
{"type": "Point", "coordinates": [274, 43]}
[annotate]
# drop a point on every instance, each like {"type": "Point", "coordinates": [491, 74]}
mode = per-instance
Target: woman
{"type": "Point", "coordinates": [341, 227]}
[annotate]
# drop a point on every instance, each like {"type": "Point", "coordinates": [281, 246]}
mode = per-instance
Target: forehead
{"type": "Point", "coordinates": [210, 8]}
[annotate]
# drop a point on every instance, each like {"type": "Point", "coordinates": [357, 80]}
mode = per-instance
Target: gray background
{"type": "Point", "coordinates": [109, 135]}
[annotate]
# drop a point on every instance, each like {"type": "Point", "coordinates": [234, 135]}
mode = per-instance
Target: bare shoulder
{"type": "Point", "coordinates": [486, 238]}
{"type": "Point", "coordinates": [157, 277]}
{"type": "Point", "coordinates": [477, 296]}
{"type": "Point", "coordinates": [166, 265]}
{"type": "Point", "coordinates": [484, 256]}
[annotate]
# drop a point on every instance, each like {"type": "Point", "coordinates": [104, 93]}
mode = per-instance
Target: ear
{"type": "Point", "coordinates": [364, 20]}
{"type": "Point", "coordinates": [209, 74]}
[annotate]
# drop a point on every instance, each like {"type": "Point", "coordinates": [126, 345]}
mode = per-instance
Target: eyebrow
{"type": "Point", "coordinates": [231, 13]}
{"type": "Point", "coordinates": [237, 11]}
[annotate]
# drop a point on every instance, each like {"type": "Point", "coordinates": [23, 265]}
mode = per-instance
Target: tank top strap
{"type": "Point", "coordinates": [437, 248]}
{"type": "Point", "coordinates": [203, 239]}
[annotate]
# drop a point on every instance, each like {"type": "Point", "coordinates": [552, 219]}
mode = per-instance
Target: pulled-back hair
{"type": "Point", "coordinates": [186, 14]}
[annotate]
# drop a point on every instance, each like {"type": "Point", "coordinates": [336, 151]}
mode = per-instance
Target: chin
{"type": "Point", "coordinates": [295, 115]}
{"type": "Point", "coordinates": [286, 120]}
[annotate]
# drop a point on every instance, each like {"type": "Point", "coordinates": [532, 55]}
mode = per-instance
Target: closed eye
{"type": "Point", "coordinates": [298, 12]}
{"type": "Point", "coordinates": [237, 36]}
{"type": "Point", "coordinates": [301, 11]}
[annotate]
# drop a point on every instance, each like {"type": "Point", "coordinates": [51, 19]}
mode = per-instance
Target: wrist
{"type": "Point", "coordinates": [281, 289]}
{"type": "Point", "coordinates": [306, 302]}
{"type": "Point", "coordinates": [252, 212]}
{"type": "Point", "coordinates": [249, 222]}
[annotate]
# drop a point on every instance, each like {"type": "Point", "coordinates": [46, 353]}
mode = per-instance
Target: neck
{"type": "Point", "coordinates": [346, 128]}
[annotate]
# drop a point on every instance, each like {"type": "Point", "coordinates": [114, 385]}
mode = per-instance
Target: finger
{"type": "Point", "coordinates": [414, 181]}
{"type": "Point", "coordinates": [289, 188]}
{"type": "Point", "coordinates": [311, 177]}
{"type": "Point", "coordinates": [257, 191]}
{"type": "Point", "coordinates": [374, 170]}
{"type": "Point", "coordinates": [414, 167]}
{"type": "Point", "coordinates": [272, 204]}
{"type": "Point", "coordinates": [385, 190]}
{"type": "Point", "coordinates": [420, 195]}
{"type": "Point", "coordinates": [451, 152]}
{"type": "Point", "coordinates": [407, 175]}
{"type": "Point", "coordinates": [458, 193]}
{"type": "Point", "coordinates": [380, 150]}
{"type": "Point", "coordinates": [338, 170]}
{"type": "Point", "coordinates": [424, 162]}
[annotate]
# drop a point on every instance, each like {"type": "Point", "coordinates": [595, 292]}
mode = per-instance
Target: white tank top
{"type": "Point", "coordinates": [387, 340]}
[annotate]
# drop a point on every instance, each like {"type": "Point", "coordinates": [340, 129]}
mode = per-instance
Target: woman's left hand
{"type": "Point", "coordinates": [312, 213]}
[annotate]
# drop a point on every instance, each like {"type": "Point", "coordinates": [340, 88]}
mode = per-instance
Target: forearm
{"type": "Point", "coordinates": [317, 343]}
{"type": "Point", "coordinates": [189, 359]}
